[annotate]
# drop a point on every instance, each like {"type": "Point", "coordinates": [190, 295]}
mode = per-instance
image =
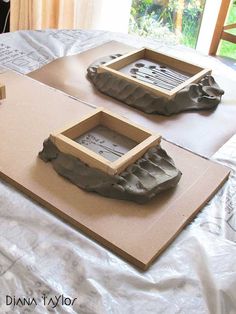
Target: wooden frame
{"type": "Point", "coordinates": [2, 92]}
{"type": "Point", "coordinates": [196, 72]}
{"type": "Point", "coordinates": [64, 140]}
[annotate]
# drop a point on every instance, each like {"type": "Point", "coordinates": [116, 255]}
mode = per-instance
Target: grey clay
{"type": "Point", "coordinates": [204, 95]}
{"type": "Point", "coordinates": [140, 182]}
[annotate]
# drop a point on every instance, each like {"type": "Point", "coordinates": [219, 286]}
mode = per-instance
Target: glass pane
{"type": "Point", "coordinates": [174, 21]}
{"type": "Point", "coordinates": [227, 48]}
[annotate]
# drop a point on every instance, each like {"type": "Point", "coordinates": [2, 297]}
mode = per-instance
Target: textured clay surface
{"type": "Point", "coordinates": [140, 182]}
{"type": "Point", "coordinates": [106, 142]}
{"type": "Point", "coordinates": [204, 95]}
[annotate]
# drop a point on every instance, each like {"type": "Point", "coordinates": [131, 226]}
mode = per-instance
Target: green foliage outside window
{"type": "Point", "coordinates": [165, 19]}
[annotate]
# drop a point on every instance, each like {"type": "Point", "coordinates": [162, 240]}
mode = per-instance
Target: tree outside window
{"type": "Point", "coordinates": [177, 21]}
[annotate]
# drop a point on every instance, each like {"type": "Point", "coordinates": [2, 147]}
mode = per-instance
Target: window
{"type": "Point", "coordinates": [174, 21]}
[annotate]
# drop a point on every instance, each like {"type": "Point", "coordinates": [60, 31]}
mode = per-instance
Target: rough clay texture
{"type": "Point", "coordinates": [140, 182]}
{"type": "Point", "coordinates": [205, 95]}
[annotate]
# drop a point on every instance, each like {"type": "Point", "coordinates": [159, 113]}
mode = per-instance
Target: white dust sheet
{"type": "Point", "coordinates": [42, 256]}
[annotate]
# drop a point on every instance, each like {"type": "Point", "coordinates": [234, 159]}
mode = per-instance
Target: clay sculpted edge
{"type": "Point", "coordinates": [204, 95]}
{"type": "Point", "coordinates": [153, 173]}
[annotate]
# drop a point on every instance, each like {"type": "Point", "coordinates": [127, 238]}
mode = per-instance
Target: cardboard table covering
{"type": "Point", "coordinates": [202, 132]}
{"type": "Point", "coordinates": [39, 253]}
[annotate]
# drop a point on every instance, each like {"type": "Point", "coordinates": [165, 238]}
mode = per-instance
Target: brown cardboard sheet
{"type": "Point", "coordinates": [139, 233]}
{"type": "Point", "coordinates": [201, 132]}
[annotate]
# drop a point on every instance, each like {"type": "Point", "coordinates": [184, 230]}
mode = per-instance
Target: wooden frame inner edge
{"type": "Point", "coordinates": [145, 140]}
{"type": "Point", "coordinates": [113, 67]}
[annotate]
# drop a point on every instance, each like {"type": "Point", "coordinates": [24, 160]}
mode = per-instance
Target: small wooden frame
{"type": "Point", "coordinates": [194, 72]}
{"type": "Point", "coordinates": [2, 92]}
{"type": "Point", "coordinates": [65, 140]}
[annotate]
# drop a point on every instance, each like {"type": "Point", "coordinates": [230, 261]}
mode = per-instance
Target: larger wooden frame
{"type": "Point", "coordinates": [64, 140]}
{"type": "Point", "coordinates": [196, 72]}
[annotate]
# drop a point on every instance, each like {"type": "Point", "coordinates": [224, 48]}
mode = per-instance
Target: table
{"type": "Point", "coordinates": [40, 254]}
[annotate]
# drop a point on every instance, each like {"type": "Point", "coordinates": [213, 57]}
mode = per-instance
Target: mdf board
{"type": "Point", "coordinates": [138, 233]}
{"type": "Point", "coordinates": [213, 128]}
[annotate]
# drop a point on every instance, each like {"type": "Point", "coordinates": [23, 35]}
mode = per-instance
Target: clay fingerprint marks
{"type": "Point", "coordinates": [153, 173]}
{"type": "Point", "coordinates": [128, 92]}
{"type": "Point", "coordinates": [2, 91]}
{"type": "Point", "coordinates": [107, 143]}
{"type": "Point", "coordinates": [157, 74]}
{"type": "Point", "coordinates": [203, 95]}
